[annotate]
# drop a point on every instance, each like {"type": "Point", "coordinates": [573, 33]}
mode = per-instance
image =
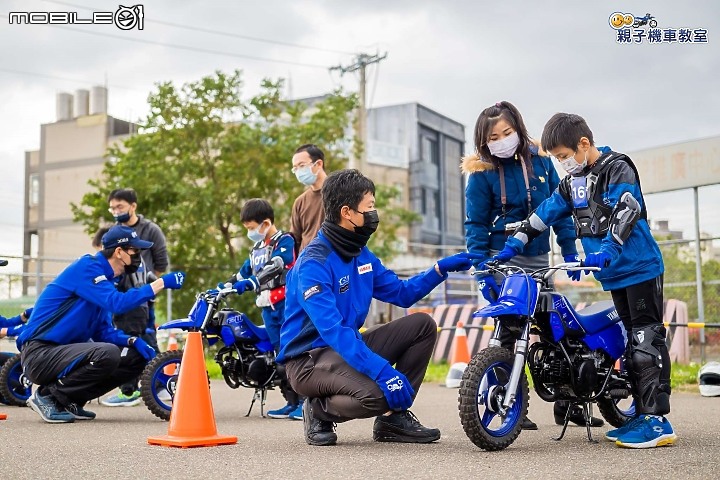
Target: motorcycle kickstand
{"type": "Point", "coordinates": [588, 416]}
{"type": "Point", "coordinates": [263, 398]}
{"type": "Point", "coordinates": [255, 397]}
{"type": "Point", "coordinates": [565, 425]}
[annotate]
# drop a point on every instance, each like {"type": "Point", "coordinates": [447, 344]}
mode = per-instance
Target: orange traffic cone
{"type": "Point", "coordinates": [192, 420]}
{"type": "Point", "coordinates": [171, 369]}
{"type": "Point", "coordinates": [3, 416]}
{"type": "Point", "coordinates": [461, 352]}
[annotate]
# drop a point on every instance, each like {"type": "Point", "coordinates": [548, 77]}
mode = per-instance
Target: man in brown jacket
{"type": "Point", "coordinates": [308, 165]}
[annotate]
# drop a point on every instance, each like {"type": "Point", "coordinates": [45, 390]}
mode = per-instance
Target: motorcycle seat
{"type": "Point", "coordinates": [597, 316]}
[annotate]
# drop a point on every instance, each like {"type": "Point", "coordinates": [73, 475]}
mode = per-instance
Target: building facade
{"type": "Point", "coordinates": [72, 152]}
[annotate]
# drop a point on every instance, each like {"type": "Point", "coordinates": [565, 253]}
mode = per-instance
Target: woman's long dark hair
{"type": "Point", "coordinates": [483, 128]}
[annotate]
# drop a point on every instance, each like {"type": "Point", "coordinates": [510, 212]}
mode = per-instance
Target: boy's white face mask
{"type": "Point", "coordinates": [571, 165]}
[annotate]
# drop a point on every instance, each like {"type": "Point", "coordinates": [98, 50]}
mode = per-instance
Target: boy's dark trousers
{"type": "Point", "coordinates": [135, 323]}
{"type": "Point", "coordinates": [340, 393]}
{"type": "Point", "coordinates": [79, 372]}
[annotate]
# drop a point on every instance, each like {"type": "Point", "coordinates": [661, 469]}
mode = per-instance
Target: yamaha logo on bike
{"type": "Point", "coordinates": [644, 29]}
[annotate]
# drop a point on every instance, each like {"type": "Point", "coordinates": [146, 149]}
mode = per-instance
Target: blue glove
{"type": "Point", "coordinates": [458, 262]}
{"type": "Point", "coordinates": [244, 285]}
{"type": "Point", "coordinates": [513, 247]}
{"type": "Point", "coordinates": [27, 314]}
{"type": "Point", "coordinates": [144, 349]}
{"type": "Point", "coordinates": [575, 275]}
{"type": "Point", "coordinates": [599, 259]}
{"type": "Point", "coordinates": [173, 280]}
{"type": "Point", "coordinates": [489, 288]}
{"type": "Point", "coordinates": [396, 388]}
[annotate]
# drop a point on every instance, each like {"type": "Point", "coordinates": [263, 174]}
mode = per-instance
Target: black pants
{"type": "Point", "coordinates": [135, 323]}
{"type": "Point", "coordinates": [79, 372]}
{"type": "Point", "coordinates": [640, 308]}
{"type": "Point", "coordinates": [339, 393]}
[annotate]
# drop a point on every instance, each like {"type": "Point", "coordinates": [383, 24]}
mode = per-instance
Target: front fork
{"type": "Point", "coordinates": [521, 348]}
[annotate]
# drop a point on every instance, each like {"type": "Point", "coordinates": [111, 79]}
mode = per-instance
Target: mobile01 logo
{"type": "Point", "coordinates": [124, 18]}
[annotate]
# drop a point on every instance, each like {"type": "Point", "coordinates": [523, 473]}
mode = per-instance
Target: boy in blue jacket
{"type": "Point", "coordinates": [345, 374]}
{"type": "Point", "coordinates": [271, 256]}
{"type": "Point", "coordinates": [603, 195]}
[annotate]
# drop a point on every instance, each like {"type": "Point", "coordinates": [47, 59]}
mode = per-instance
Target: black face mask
{"type": "Point", "coordinates": [371, 220]}
{"type": "Point", "coordinates": [135, 262]}
{"type": "Point", "coordinates": [122, 218]}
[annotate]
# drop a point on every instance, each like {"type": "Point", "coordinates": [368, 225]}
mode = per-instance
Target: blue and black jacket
{"type": "Point", "coordinates": [328, 300]}
{"type": "Point", "coordinates": [639, 258]}
{"type": "Point", "coordinates": [484, 219]}
{"type": "Point", "coordinates": [76, 306]}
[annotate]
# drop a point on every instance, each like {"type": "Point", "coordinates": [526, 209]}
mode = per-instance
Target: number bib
{"type": "Point", "coordinates": [579, 192]}
{"type": "Point", "coordinates": [259, 258]}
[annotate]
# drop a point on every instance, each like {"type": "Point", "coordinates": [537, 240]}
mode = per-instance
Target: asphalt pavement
{"type": "Point", "coordinates": [115, 446]}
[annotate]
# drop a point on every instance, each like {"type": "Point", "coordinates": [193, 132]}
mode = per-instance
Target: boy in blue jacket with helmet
{"type": "Point", "coordinates": [603, 195]}
{"type": "Point", "coordinates": [69, 347]}
{"type": "Point", "coordinates": [345, 374]}
{"type": "Point", "coordinates": [264, 272]}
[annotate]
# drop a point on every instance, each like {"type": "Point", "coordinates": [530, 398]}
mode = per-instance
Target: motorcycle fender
{"type": "Point", "coordinates": [183, 323]}
{"type": "Point", "coordinates": [611, 340]}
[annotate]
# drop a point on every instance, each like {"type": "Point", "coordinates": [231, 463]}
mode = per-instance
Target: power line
{"type": "Point", "coordinates": [77, 80]}
{"type": "Point", "coordinates": [184, 47]}
{"type": "Point", "coordinates": [217, 32]}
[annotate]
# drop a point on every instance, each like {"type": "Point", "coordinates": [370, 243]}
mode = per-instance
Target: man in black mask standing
{"type": "Point", "coordinates": [346, 374]}
{"type": "Point", "coordinates": [149, 264]}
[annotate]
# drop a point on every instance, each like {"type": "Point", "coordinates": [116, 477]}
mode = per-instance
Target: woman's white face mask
{"type": "Point", "coordinates": [506, 147]}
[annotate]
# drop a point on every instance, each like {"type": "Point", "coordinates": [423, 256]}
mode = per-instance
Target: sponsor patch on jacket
{"type": "Point", "coordinates": [365, 268]}
{"type": "Point", "coordinates": [312, 291]}
{"type": "Point", "coordinates": [99, 278]}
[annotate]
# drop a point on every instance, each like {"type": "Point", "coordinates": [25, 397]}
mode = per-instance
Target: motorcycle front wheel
{"type": "Point", "coordinates": [15, 387]}
{"type": "Point", "coordinates": [159, 381]}
{"type": "Point", "coordinates": [482, 390]}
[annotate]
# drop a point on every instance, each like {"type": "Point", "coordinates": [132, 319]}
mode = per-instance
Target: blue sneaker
{"type": "Point", "coordinates": [79, 412]}
{"type": "Point", "coordinates": [122, 400]}
{"type": "Point", "coordinates": [297, 414]}
{"type": "Point", "coordinates": [48, 409]}
{"type": "Point", "coordinates": [613, 435]}
{"type": "Point", "coordinates": [652, 431]}
{"type": "Point", "coordinates": [283, 412]}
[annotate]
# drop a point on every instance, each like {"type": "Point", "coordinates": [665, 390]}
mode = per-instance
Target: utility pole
{"type": "Point", "coordinates": [362, 60]}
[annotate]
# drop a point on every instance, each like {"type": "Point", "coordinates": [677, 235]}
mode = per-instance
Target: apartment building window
{"type": "Point", "coordinates": [34, 189]}
{"type": "Point", "coordinates": [429, 148]}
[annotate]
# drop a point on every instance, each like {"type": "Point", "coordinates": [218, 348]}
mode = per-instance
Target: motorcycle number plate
{"type": "Point", "coordinates": [579, 192]}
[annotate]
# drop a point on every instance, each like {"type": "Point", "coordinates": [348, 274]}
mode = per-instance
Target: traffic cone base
{"type": "Point", "coordinates": [3, 416]}
{"type": "Point", "coordinates": [192, 420]}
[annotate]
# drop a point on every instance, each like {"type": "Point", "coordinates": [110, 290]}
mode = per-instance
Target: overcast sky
{"type": "Point", "coordinates": [456, 57]}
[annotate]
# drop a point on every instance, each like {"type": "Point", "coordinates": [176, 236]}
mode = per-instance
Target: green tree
{"type": "Point", "coordinates": [201, 152]}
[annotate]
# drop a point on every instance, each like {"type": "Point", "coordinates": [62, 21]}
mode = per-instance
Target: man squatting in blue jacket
{"type": "Point", "coordinates": [603, 195]}
{"type": "Point", "coordinates": [69, 347]}
{"type": "Point", "coordinates": [345, 374]}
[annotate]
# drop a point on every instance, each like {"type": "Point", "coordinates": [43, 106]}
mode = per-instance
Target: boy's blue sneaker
{"type": "Point", "coordinates": [48, 409]}
{"type": "Point", "coordinates": [297, 414]}
{"type": "Point", "coordinates": [283, 412]}
{"type": "Point", "coordinates": [79, 412]}
{"type": "Point", "coordinates": [122, 400]}
{"type": "Point", "coordinates": [651, 431]}
{"type": "Point", "coordinates": [613, 435]}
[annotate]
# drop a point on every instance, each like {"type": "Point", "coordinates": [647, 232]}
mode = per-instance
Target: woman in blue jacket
{"type": "Point", "coordinates": [509, 176]}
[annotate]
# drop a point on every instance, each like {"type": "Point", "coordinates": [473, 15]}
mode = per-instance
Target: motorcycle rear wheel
{"type": "Point", "coordinates": [481, 389]}
{"type": "Point", "coordinates": [616, 415]}
{"type": "Point", "coordinates": [158, 382]}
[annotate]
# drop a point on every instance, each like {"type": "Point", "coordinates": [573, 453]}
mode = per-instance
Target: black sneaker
{"type": "Point", "coordinates": [576, 416]}
{"type": "Point", "coordinates": [528, 424]}
{"type": "Point", "coordinates": [79, 412]}
{"type": "Point", "coordinates": [317, 432]}
{"type": "Point", "coordinates": [403, 427]}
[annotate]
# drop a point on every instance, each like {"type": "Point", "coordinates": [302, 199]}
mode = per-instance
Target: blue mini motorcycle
{"type": "Point", "coordinates": [246, 357]}
{"type": "Point", "coordinates": [575, 359]}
